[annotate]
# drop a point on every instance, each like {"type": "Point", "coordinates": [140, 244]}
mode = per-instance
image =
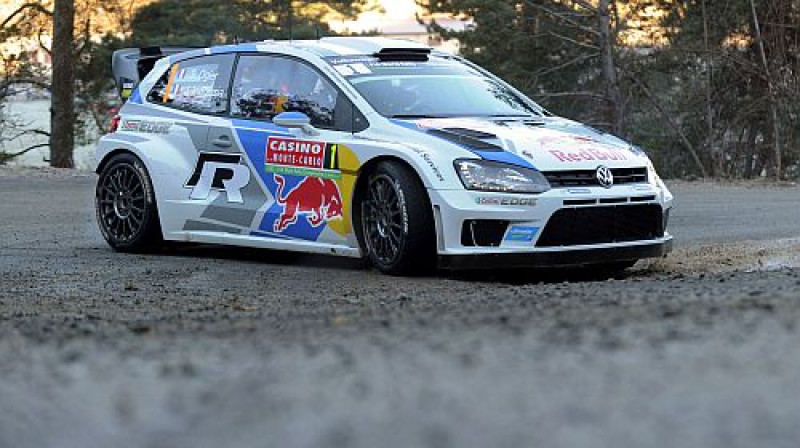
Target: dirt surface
{"type": "Point", "coordinates": [209, 347]}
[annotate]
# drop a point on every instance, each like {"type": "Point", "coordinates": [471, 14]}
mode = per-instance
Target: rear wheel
{"type": "Point", "coordinates": [126, 206]}
{"type": "Point", "coordinates": [397, 229]}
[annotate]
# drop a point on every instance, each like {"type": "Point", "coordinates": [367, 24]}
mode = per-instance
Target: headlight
{"type": "Point", "coordinates": [484, 175]}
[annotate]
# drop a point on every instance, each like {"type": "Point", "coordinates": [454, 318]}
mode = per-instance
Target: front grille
{"type": "Point", "coordinates": [588, 178]}
{"type": "Point", "coordinates": [598, 225]}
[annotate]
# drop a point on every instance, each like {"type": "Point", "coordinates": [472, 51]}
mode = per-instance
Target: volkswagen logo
{"type": "Point", "coordinates": [604, 176]}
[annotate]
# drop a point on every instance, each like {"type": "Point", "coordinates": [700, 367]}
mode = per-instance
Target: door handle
{"type": "Point", "coordinates": [222, 142]}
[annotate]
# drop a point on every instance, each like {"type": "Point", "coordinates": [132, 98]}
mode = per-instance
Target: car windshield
{"type": "Point", "coordinates": [438, 87]}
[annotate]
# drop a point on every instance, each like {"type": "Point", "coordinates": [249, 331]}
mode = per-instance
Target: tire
{"type": "Point", "coordinates": [125, 206]}
{"type": "Point", "coordinates": [397, 231]}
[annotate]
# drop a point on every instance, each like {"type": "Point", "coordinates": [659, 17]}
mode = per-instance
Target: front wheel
{"type": "Point", "coordinates": [397, 221]}
{"type": "Point", "coordinates": [126, 206]}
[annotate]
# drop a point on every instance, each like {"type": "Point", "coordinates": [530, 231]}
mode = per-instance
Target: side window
{"type": "Point", "coordinates": [265, 86]}
{"type": "Point", "coordinates": [195, 85]}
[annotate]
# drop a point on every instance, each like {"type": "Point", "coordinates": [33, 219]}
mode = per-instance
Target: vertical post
{"type": "Point", "coordinates": [62, 106]}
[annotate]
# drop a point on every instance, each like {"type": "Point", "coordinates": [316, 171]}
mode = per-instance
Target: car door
{"type": "Point", "coordinates": [210, 177]}
{"type": "Point", "coordinates": [308, 179]}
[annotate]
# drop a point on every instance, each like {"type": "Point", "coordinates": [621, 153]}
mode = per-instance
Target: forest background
{"type": "Point", "coordinates": [709, 88]}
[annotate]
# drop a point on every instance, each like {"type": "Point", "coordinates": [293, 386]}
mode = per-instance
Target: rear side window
{"type": "Point", "coordinates": [265, 86]}
{"type": "Point", "coordinates": [195, 85]}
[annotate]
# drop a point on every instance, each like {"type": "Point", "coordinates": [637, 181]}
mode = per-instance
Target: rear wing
{"type": "Point", "coordinates": [131, 65]}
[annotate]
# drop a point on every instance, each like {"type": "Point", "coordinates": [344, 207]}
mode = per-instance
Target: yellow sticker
{"type": "Point", "coordinates": [348, 164]}
{"type": "Point", "coordinates": [169, 83]}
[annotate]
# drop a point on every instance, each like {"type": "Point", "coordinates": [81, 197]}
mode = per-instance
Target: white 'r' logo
{"type": "Point", "coordinates": [231, 177]}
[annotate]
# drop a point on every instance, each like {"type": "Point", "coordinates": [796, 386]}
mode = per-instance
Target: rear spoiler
{"type": "Point", "coordinates": [131, 65]}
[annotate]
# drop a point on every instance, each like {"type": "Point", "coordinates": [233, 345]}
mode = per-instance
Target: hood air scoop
{"type": "Point", "coordinates": [468, 137]}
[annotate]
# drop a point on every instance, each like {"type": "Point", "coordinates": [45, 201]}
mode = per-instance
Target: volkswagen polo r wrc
{"type": "Point", "coordinates": [365, 147]}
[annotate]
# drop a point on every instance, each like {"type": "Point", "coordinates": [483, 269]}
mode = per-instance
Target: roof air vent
{"type": "Point", "coordinates": [403, 54]}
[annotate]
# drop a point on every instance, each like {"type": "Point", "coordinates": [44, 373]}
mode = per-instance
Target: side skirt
{"type": "Point", "coordinates": [263, 243]}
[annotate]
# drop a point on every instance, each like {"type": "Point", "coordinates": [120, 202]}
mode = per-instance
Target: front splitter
{"type": "Point", "coordinates": [564, 258]}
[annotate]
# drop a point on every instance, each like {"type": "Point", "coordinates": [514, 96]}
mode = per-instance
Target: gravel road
{"type": "Point", "coordinates": [210, 347]}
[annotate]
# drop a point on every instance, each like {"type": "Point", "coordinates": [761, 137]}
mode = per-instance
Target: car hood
{"type": "Point", "coordinates": [546, 143]}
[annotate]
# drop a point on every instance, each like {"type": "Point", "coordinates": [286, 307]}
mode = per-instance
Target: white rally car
{"type": "Point", "coordinates": [366, 147]}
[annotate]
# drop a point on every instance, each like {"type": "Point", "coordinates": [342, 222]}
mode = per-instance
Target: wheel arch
{"type": "Point", "coordinates": [110, 155]}
{"type": "Point", "coordinates": [135, 152]}
{"type": "Point", "coordinates": [361, 179]}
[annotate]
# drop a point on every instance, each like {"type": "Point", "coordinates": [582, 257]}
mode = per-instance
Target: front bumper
{"type": "Point", "coordinates": [557, 258]}
{"type": "Point", "coordinates": [562, 227]}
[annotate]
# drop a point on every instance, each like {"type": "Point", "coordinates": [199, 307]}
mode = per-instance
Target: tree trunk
{"type": "Point", "coordinates": [62, 109]}
{"type": "Point", "coordinates": [773, 106]}
{"type": "Point", "coordinates": [717, 158]}
{"type": "Point", "coordinates": [749, 153]}
{"type": "Point", "coordinates": [606, 42]}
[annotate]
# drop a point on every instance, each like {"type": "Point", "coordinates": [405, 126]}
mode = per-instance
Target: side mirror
{"type": "Point", "coordinates": [295, 120]}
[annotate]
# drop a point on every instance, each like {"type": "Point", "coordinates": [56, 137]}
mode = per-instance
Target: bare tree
{"type": "Point", "coordinates": [717, 166]}
{"type": "Point", "coordinates": [773, 107]}
{"type": "Point", "coordinates": [606, 40]}
{"type": "Point", "coordinates": [62, 112]}
{"type": "Point", "coordinates": [17, 70]}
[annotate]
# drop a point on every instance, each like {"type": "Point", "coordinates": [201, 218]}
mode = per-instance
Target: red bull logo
{"type": "Point", "coordinates": [588, 154]}
{"type": "Point", "coordinates": [318, 199]}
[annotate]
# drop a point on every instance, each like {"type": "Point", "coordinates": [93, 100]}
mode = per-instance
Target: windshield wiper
{"type": "Point", "coordinates": [512, 115]}
{"type": "Point", "coordinates": [414, 116]}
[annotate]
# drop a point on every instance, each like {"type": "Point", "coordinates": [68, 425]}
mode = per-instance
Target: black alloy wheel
{"type": "Point", "coordinates": [397, 221]}
{"type": "Point", "coordinates": [385, 219]}
{"type": "Point", "coordinates": [125, 205]}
